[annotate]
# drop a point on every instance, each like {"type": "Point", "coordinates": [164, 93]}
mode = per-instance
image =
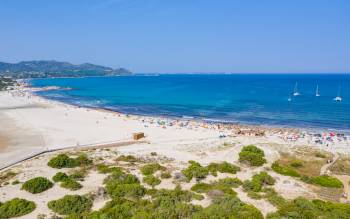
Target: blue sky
{"type": "Point", "coordinates": [181, 35]}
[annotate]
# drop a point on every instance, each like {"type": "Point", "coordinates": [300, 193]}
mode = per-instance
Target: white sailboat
{"type": "Point", "coordinates": [317, 92]}
{"type": "Point", "coordinates": [296, 92]}
{"type": "Point", "coordinates": [338, 97]}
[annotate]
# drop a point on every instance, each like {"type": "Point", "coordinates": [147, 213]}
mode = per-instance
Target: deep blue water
{"type": "Point", "coordinates": [249, 98]}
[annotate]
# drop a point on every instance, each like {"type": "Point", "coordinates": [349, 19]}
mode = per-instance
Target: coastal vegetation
{"type": "Point", "coordinates": [71, 204]}
{"type": "Point", "coordinates": [37, 185]}
{"type": "Point", "coordinates": [5, 83]}
{"type": "Point", "coordinates": [15, 208]}
{"type": "Point", "coordinates": [323, 180]}
{"type": "Point", "coordinates": [151, 168]}
{"type": "Point", "coordinates": [223, 167]}
{"type": "Point", "coordinates": [252, 155]}
{"type": "Point", "coordinates": [195, 170]}
{"type": "Point", "coordinates": [303, 208]}
{"type": "Point", "coordinates": [151, 180]}
{"type": "Point", "coordinates": [64, 161]}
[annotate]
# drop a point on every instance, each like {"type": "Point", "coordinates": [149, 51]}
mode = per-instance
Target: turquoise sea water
{"type": "Point", "coordinates": [249, 98]}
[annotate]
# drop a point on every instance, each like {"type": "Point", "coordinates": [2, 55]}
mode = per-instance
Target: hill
{"type": "Point", "coordinates": [43, 69]}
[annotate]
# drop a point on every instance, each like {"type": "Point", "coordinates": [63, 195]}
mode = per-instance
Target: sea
{"type": "Point", "coordinates": [256, 99]}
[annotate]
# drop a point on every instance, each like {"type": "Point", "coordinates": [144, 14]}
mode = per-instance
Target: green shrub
{"type": "Point", "coordinates": [70, 184]}
{"type": "Point", "coordinates": [78, 174]}
{"type": "Point", "coordinates": [102, 168]}
{"type": "Point", "coordinates": [64, 161]}
{"type": "Point", "coordinates": [223, 167]}
{"type": "Point", "coordinates": [134, 190]}
{"type": "Point", "coordinates": [297, 164]}
{"type": "Point", "coordinates": [232, 182]}
{"type": "Point", "coordinates": [59, 177]}
{"type": "Point", "coordinates": [119, 184]}
{"type": "Point", "coordinates": [83, 160]}
{"type": "Point", "coordinates": [165, 175]}
{"type": "Point", "coordinates": [327, 181]}
{"type": "Point", "coordinates": [195, 170]}
{"type": "Point", "coordinates": [15, 208]}
{"type": "Point", "coordinates": [284, 170]}
{"type": "Point", "coordinates": [257, 182]}
{"type": "Point", "coordinates": [128, 158]}
{"type": "Point", "coordinates": [303, 208]}
{"type": "Point", "coordinates": [202, 187]}
{"type": "Point", "coordinates": [228, 207]}
{"type": "Point", "coordinates": [253, 155]}
{"type": "Point", "coordinates": [37, 185]}
{"type": "Point", "coordinates": [70, 204]}
{"type": "Point", "coordinates": [151, 180]}
{"type": "Point", "coordinates": [151, 168]}
{"type": "Point", "coordinates": [224, 186]}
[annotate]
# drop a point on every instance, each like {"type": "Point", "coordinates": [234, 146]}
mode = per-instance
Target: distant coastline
{"type": "Point", "coordinates": [55, 69]}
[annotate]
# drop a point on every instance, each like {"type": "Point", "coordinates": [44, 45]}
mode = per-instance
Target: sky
{"type": "Point", "coordinates": [178, 36]}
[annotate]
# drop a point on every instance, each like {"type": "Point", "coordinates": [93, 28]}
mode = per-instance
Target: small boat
{"type": "Point", "coordinates": [289, 99]}
{"type": "Point", "coordinates": [317, 92]}
{"type": "Point", "coordinates": [296, 92]}
{"type": "Point", "coordinates": [338, 97]}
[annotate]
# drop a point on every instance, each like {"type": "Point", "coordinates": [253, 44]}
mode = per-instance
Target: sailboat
{"type": "Point", "coordinates": [296, 92]}
{"type": "Point", "coordinates": [338, 97]}
{"type": "Point", "coordinates": [317, 93]}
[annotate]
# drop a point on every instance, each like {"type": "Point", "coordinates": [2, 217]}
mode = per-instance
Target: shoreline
{"type": "Point", "coordinates": [216, 121]}
{"type": "Point", "coordinates": [207, 121]}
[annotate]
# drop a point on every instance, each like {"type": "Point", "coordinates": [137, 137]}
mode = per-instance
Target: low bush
{"type": "Point", "coordinates": [202, 187]}
{"type": "Point", "coordinates": [83, 160]}
{"type": "Point", "coordinates": [128, 158]}
{"type": "Point", "coordinates": [257, 182]}
{"type": "Point", "coordinates": [16, 208]}
{"type": "Point", "coordinates": [303, 208]}
{"type": "Point", "coordinates": [151, 168]}
{"type": "Point", "coordinates": [297, 164]}
{"type": "Point", "coordinates": [120, 184]}
{"type": "Point", "coordinates": [327, 181]}
{"type": "Point", "coordinates": [223, 167]}
{"type": "Point", "coordinates": [195, 170]}
{"type": "Point", "coordinates": [70, 204]}
{"type": "Point", "coordinates": [253, 155]}
{"type": "Point", "coordinates": [102, 168]}
{"type": "Point", "coordinates": [70, 184]}
{"type": "Point", "coordinates": [224, 185]}
{"type": "Point", "coordinates": [37, 185]}
{"type": "Point", "coordinates": [125, 190]}
{"type": "Point", "coordinates": [59, 177]}
{"type": "Point", "coordinates": [228, 207]}
{"type": "Point", "coordinates": [151, 180]}
{"type": "Point", "coordinates": [284, 170]}
{"type": "Point", "coordinates": [79, 174]}
{"type": "Point", "coordinates": [232, 182]}
{"type": "Point", "coordinates": [64, 161]}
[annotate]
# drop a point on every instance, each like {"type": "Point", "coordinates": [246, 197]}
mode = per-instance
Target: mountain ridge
{"type": "Point", "coordinates": [53, 68]}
